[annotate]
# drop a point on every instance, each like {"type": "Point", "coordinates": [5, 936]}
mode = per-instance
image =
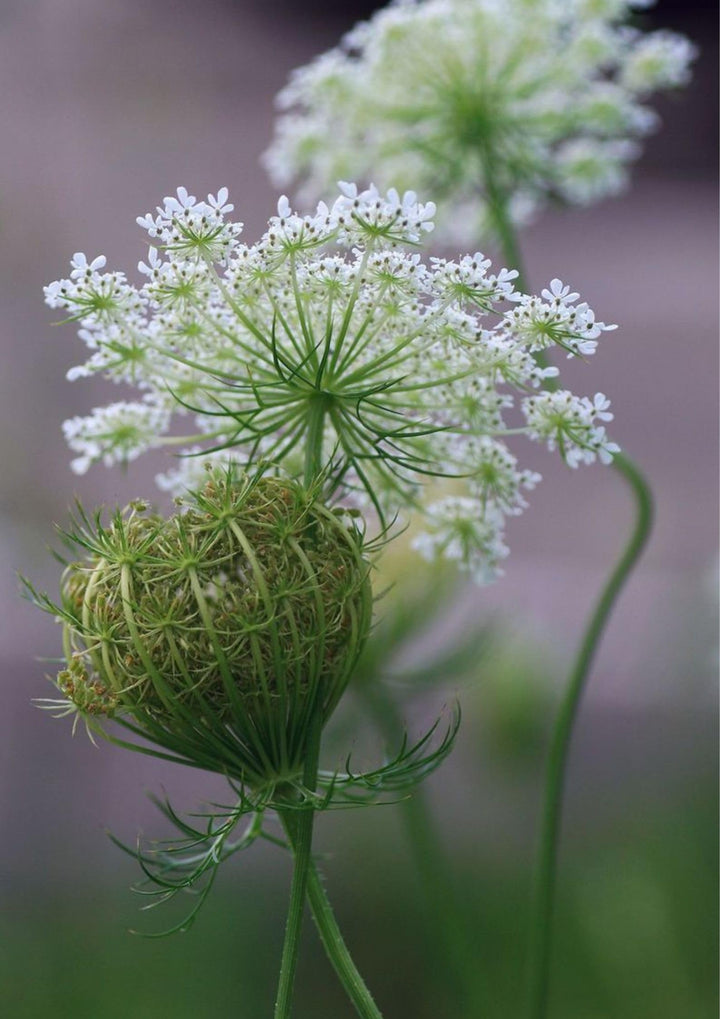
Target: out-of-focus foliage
{"type": "Point", "coordinates": [636, 936]}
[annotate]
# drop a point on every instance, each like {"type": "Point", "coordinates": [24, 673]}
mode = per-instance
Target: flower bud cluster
{"type": "Point", "coordinates": [237, 617]}
{"type": "Point", "coordinates": [331, 334]}
{"type": "Point", "coordinates": [115, 434]}
{"type": "Point", "coordinates": [526, 98]}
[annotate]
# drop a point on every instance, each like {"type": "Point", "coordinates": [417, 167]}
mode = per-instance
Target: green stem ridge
{"type": "Point", "coordinates": [314, 440]}
{"type": "Point", "coordinates": [543, 905]}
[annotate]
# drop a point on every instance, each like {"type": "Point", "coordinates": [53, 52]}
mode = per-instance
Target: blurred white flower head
{"type": "Point", "coordinates": [332, 333]}
{"type": "Point", "coordinates": [492, 105]}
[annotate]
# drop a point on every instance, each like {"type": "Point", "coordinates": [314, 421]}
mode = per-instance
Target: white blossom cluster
{"type": "Point", "coordinates": [332, 333]}
{"type": "Point", "coordinates": [489, 102]}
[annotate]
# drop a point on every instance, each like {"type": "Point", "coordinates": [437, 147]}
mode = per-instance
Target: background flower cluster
{"type": "Point", "coordinates": [480, 99]}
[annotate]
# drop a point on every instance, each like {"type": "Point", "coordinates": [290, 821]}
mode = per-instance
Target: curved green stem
{"type": "Point", "coordinates": [337, 950]}
{"type": "Point", "coordinates": [542, 911]}
{"type": "Point", "coordinates": [327, 927]}
{"type": "Point", "coordinates": [302, 852]}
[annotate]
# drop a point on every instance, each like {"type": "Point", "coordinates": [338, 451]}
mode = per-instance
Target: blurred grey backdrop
{"type": "Point", "coordinates": [106, 107]}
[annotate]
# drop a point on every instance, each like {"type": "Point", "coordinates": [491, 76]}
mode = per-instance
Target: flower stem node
{"type": "Point", "coordinates": [222, 632]}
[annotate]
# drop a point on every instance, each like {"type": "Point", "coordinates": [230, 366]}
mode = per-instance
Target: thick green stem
{"type": "Point", "coordinates": [299, 822]}
{"type": "Point", "coordinates": [542, 911]}
{"type": "Point", "coordinates": [302, 826]}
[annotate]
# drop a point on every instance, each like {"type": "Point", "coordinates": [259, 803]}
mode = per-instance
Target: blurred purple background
{"type": "Point", "coordinates": [109, 106]}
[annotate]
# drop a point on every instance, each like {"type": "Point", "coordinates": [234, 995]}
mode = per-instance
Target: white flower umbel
{"type": "Point", "coordinates": [332, 338]}
{"type": "Point", "coordinates": [466, 531]}
{"type": "Point", "coordinates": [570, 424]}
{"type": "Point", "coordinates": [115, 434]}
{"type": "Point", "coordinates": [479, 101]}
{"type": "Point", "coordinates": [557, 320]}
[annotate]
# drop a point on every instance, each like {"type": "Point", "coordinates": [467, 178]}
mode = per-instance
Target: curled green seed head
{"type": "Point", "coordinates": [222, 631]}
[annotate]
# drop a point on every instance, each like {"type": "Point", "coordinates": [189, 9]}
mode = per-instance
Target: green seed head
{"type": "Point", "coordinates": [223, 630]}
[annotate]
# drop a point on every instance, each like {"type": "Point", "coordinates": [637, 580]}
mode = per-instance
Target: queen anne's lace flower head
{"type": "Point", "coordinates": [240, 616]}
{"type": "Point", "coordinates": [115, 434]}
{"type": "Point", "coordinates": [481, 101]}
{"type": "Point", "coordinates": [331, 333]}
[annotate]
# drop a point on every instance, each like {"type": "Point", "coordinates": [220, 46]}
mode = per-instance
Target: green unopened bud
{"type": "Point", "coordinates": [223, 632]}
{"type": "Point", "coordinates": [87, 693]}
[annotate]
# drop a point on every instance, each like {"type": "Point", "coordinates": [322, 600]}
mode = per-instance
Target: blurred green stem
{"type": "Point", "coordinates": [500, 217]}
{"type": "Point", "coordinates": [453, 936]}
{"type": "Point", "coordinates": [546, 868]}
{"type": "Point", "coordinates": [542, 910]}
